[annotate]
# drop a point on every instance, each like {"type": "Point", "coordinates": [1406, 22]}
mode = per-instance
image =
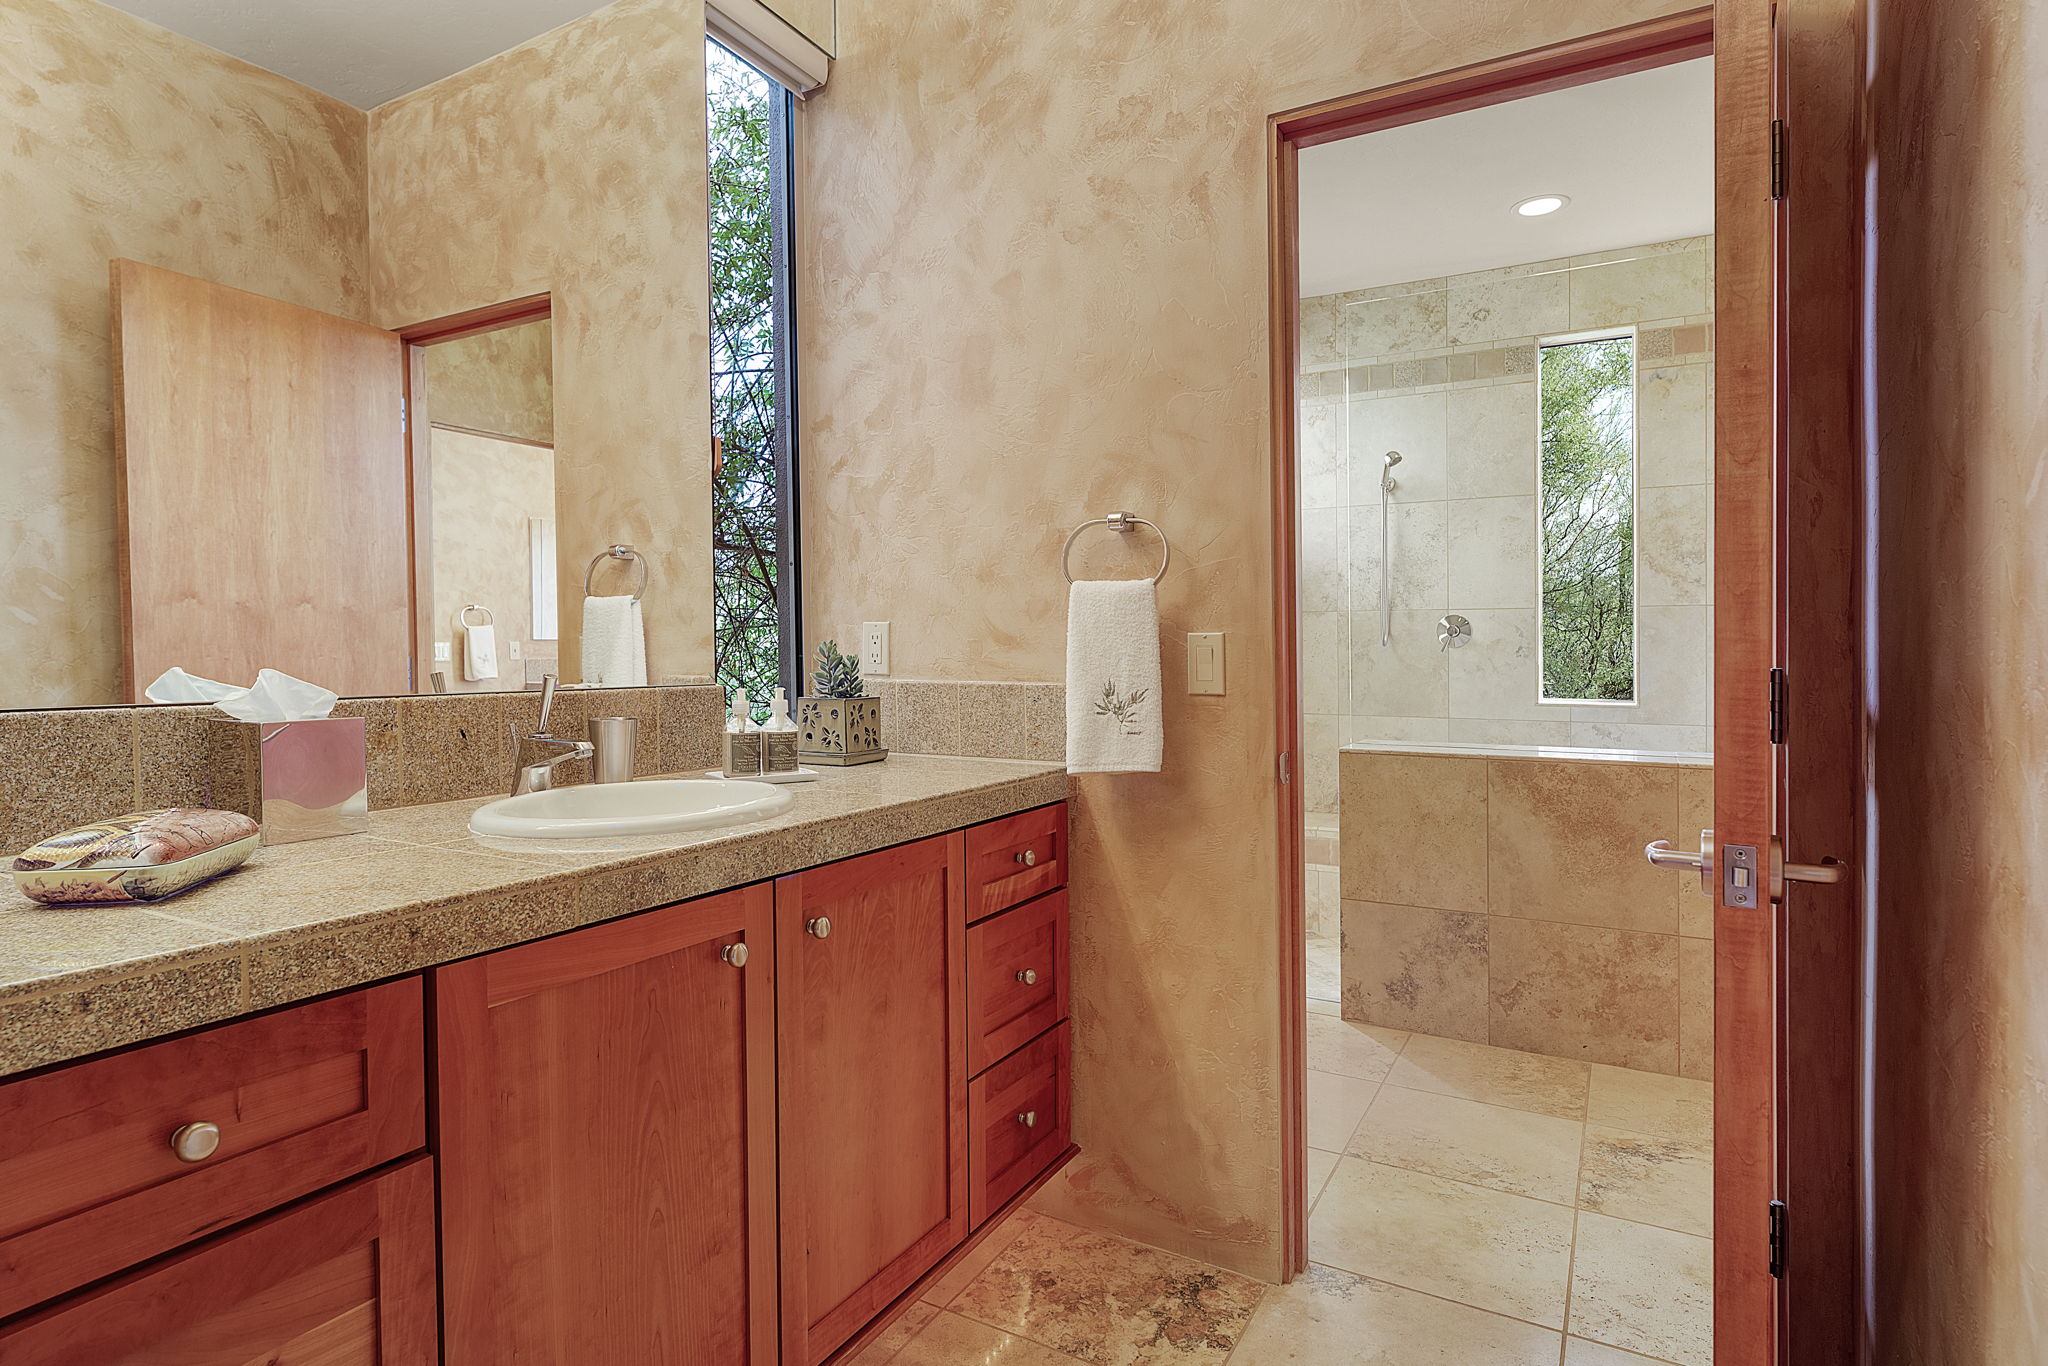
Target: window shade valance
{"type": "Point", "coordinates": [770, 42]}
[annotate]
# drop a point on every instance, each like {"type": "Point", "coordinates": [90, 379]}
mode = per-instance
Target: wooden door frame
{"type": "Point", "coordinates": [1753, 1314]}
{"type": "Point", "coordinates": [418, 464]}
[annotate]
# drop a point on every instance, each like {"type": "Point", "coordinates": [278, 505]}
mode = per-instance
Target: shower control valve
{"type": "Point", "coordinates": [1453, 632]}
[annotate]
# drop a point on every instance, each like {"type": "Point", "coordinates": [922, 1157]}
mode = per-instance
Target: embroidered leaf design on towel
{"type": "Point", "coordinates": [1125, 711]}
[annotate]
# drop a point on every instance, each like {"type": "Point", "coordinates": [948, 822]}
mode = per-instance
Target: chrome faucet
{"type": "Point", "coordinates": [535, 757]}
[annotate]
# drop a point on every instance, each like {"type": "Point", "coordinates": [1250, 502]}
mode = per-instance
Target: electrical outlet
{"type": "Point", "coordinates": [443, 652]}
{"type": "Point", "coordinates": [874, 648]}
{"type": "Point", "coordinates": [514, 650]}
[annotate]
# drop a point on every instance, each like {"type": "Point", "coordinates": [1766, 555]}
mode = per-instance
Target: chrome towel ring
{"type": "Point", "coordinates": [617, 552]}
{"type": "Point", "coordinates": [1122, 523]}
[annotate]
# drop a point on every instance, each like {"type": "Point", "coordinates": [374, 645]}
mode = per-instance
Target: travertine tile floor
{"type": "Point", "coordinates": [1469, 1206]}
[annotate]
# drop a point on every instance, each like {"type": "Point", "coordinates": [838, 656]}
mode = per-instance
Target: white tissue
{"type": "Point", "coordinates": [279, 697]}
{"type": "Point", "coordinates": [272, 697]}
{"type": "Point", "coordinates": [175, 685]}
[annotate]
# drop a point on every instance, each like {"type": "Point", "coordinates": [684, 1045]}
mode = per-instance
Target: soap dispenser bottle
{"type": "Point", "coordinates": [778, 737]}
{"type": "Point", "coordinates": [742, 740]}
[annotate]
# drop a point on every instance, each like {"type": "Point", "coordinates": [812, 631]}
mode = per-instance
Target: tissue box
{"type": "Point", "coordinates": [300, 780]}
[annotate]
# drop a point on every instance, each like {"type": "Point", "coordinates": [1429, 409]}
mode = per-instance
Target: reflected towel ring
{"type": "Point", "coordinates": [462, 617]}
{"type": "Point", "coordinates": [617, 552]}
{"type": "Point", "coordinates": [1122, 523]}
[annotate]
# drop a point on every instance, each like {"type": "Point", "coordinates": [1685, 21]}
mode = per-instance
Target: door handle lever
{"type": "Point", "coordinates": [1660, 853]}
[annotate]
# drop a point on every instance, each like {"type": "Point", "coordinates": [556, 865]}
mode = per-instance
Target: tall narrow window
{"type": "Point", "coordinates": [1587, 499]}
{"type": "Point", "coordinates": [756, 635]}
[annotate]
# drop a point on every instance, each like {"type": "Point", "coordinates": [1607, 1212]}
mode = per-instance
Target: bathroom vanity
{"type": "Point", "coordinates": [738, 1126]}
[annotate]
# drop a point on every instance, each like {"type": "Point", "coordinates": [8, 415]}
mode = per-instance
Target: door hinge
{"type": "Point", "coordinates": [1777, 158]}
{"type": "Point", "coordinates": [1778, 1238]}
{"type": "Point", "coordinates": [404, 417]}
{"type": "Point", "coordinates": [1286, 768]}
{"type": "Point", "coordinates": [1777, 706]}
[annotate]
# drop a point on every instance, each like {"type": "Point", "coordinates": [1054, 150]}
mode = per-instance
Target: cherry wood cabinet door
{"type": "Point", "coordinates": [872, 1073]}
{"type": "Point", "coordinates": [606, 1133]}
{"type": "Point", "coordinates": [344, 1279]}
{"type": "Point", "coordinates": [300, 1099]}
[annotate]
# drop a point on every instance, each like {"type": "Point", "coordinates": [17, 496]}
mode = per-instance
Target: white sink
{"type": "Point", "coordinates": [661, 807]}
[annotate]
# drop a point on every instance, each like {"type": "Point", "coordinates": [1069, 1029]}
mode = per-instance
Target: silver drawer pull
{"type": "Point", "coordinates": [1029, 858]}
{"type": "Point", "coordinates": [1028, 976]}
{"type": "Point", "coordinates": [195, 1142]}
{"type": "Point", "coordinates": [1029, 1119]}
{"type": "Point", "coordinates": [820, 928]}
{"type": "Point", "coordinates": [735, 954]}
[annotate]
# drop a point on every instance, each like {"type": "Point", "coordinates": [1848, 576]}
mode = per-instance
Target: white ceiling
{"type": "Point", "coordinates": [361, 51]}
{"type": "Point", "coordinates": [1635, 153]}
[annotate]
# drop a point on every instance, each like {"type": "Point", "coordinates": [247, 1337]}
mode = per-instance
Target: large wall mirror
{"type": "Point", "coordinates": [388, 374]}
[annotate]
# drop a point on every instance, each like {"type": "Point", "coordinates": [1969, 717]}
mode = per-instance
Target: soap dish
{"type": "Point", "coordinates": [139, 858]}
{"type": "Point", "coordinates": [802, 775]}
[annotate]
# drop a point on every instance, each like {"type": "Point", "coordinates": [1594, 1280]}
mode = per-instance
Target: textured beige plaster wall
{"type": "Point", "coordinates": [500, 381]}
{"type": "Point", "coordinates": [1961, 393]}
{"type": "Point", "coordinates": [1032, 240]}
{"type": "Point", "coordinates": [485, 491]}
{"type": "Point", "coordinates": [125, 140]}
{"type": "Point", "coordinates": [575, 163]}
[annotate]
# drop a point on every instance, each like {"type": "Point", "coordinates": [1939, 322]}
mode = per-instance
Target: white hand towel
{"type": "Point", "coordinates": [1113, 721]}
{"type": "Point", "coordinates": [479, 650]}
{"type": "Point", "coordinates": [614, 643]}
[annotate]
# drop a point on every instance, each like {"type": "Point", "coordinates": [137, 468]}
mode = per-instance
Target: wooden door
{"type": "Point", "coordinates": [261, 486]}
{"type": "Point", "coordinates": [872, 1076]}
{"type": "Point", "coordinates": [1788, 591]}
{"type": "Point", "coordinates": [607, 1119]}
{"type": "Point", "coordinates": [345, 1279]}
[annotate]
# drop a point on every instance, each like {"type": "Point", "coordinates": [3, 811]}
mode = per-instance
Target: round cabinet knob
{"type": "Point", "coordinates": [819, 928]}
{"type": "Point", "coordinates": [1029, 858]}
{"type": "Point", "coordinates": [1028, 976]}
{"type": "Point", "coordinates": [735, 954]}
{"type": "Point", "coordinates": [1029, 1119]}
{"type": "Point", "coordinates": [195, 1142]}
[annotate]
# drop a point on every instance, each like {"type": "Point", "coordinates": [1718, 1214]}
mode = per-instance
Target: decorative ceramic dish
{"type": "Point", "coordinates": [147, 856]}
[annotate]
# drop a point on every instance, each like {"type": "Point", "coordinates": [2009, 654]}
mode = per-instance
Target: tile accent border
{"type": "Point", "coordinates": [974, 720]}
{"type": "Point", "coordinates": [64, 768]}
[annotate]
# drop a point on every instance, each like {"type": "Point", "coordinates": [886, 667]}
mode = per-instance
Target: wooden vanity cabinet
{"type": "Point", "coordinates": [606, 1139]}
{"type": "Point", "coordinates": [343, 1279]}
{"type": "Point", "coordinates": [872, 1081]}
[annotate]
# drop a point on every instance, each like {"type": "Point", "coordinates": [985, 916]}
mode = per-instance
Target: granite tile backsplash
{"type": "Point", "coordinates": [974, 720]}
{"type": "Point", "coordinates": [64, 768]}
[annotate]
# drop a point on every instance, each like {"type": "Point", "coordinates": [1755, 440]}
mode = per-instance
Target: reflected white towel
{"type": "Point", "coordinates": [1113, 702]}
{"type": "Point", "coordinates": [614, 643]}
{"type": "Point", "coordinates": [479, 651]}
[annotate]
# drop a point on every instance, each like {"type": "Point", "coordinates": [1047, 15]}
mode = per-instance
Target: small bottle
{"type": "Point", "coordinates": [778, 737]}
{"type": "Point", "coordinates": [742, 740]}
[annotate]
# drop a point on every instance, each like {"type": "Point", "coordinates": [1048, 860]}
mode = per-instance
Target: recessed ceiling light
{"type": "Point", "coordinates": [1541, 204]}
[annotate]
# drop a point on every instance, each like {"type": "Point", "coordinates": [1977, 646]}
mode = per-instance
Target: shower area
{"type": "Point", "coordinates": [1505, 482]}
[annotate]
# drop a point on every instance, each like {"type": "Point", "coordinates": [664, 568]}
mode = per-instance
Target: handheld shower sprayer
{"type": "Point", "coordinates": [1386, 571]}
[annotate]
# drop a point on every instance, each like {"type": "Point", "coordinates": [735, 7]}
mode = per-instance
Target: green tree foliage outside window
{"type": "Point", "coordinates": [744, 499]}
{"type": "Point", "coordinates": [1588, 520]}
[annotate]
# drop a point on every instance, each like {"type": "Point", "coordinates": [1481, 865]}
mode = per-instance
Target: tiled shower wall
{"type": "Point", "coordinates": [1444, 371]}
{"type": "Point", "coordinates": [1506, 901]}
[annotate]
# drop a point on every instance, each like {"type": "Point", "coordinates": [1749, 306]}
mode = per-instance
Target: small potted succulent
{"type": "Point", "coordinates": [838, 723]}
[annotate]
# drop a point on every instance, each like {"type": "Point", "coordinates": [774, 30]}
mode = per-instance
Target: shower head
{"type": "Point", "coordinates": [1393, 459]}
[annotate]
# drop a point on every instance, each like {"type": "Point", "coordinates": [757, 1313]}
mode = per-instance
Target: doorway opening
{"type": "Point", "coordinates": [1499, 345]}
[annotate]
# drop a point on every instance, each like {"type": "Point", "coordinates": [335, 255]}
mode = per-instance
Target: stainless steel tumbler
{"type": "Point", "coordinates": [616, 740]}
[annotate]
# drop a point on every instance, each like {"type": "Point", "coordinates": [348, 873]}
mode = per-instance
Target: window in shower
{"type": "Point", "coordinates": [1586, 494]}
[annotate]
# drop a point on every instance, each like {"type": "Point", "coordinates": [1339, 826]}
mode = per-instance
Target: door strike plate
{"type": "Point", "coordinates": [1739, 876]}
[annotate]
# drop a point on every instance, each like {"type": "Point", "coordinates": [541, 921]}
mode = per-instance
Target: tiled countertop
{"type": "Point", "coordinates": [300, 920]}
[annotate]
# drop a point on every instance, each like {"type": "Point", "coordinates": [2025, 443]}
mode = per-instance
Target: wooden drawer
{"type": "Point", "coordinates": [89, 1184]}
{"type": "Point", "coordinates": [1016, 978]}
{"type": "Point", "coordinates": [1017, 1120]}
{"type": "Point", "coordinates": [1016, 858]}
{"type": "Point", "coordinates": [345, 1278]}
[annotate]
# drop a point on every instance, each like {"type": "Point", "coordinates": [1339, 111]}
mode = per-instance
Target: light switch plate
{"type": "Point", "coordinates": [1205, 663]}
{"type": "Point", "coordinates": [874, 648]}
{"type": "Point", "coordinates": [443, 652]}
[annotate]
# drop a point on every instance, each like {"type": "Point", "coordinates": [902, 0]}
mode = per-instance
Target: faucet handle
{"type": "Point", "coordinates": [547, 701]}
